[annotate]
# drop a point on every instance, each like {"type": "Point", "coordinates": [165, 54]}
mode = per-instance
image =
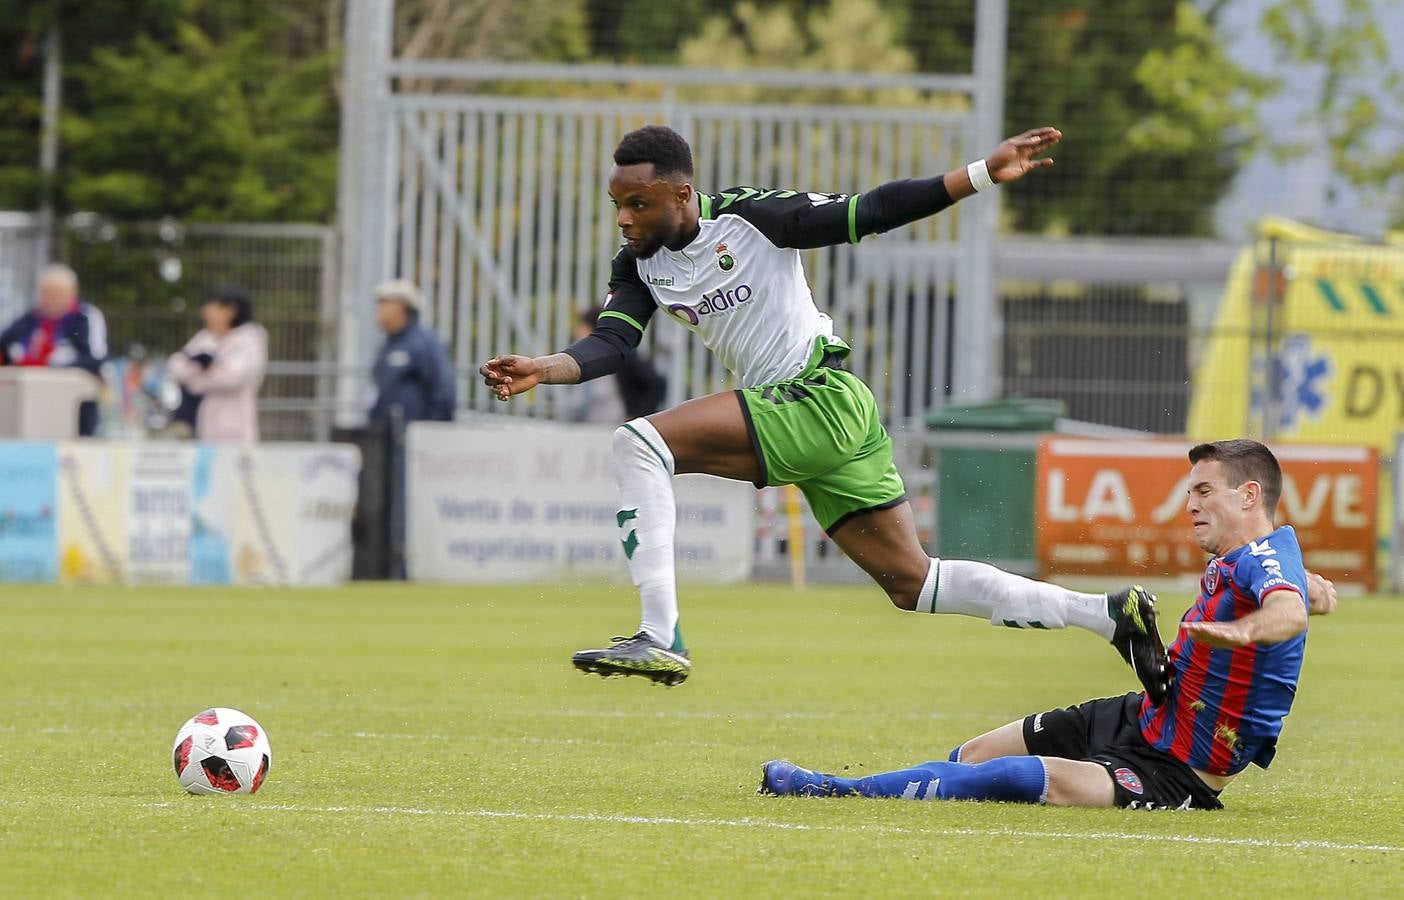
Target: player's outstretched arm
{"type": "Point", "coordinates": [509, 375]}
{"type": "Point", "coordinates": [803, 221]}
{"type": "Point", "coordinates": [1014, 158]}
{"type": "Point", "coordinates": [1282, 617]}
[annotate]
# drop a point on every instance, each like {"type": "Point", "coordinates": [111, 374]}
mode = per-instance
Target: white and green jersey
{"type": "Point", "coordinates": [739, 284]}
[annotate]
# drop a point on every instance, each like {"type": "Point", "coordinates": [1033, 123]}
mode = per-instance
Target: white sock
{"type": "Point", "coordinates": [978, 589]}
{"type": "Point", "coordinates": [647, 520]}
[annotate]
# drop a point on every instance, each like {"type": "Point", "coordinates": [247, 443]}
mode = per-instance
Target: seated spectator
{"type": "Point", "coordinates": [223, 364]}
{"type": "Point", "coordinates": [62, 330]}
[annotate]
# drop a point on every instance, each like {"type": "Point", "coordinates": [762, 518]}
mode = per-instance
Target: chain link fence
{"type": "Point", "coordinates": [149, 280]}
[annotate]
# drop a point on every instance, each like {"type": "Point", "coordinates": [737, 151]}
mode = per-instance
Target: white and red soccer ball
{"type": "Point", "coordinates": [222, 751]}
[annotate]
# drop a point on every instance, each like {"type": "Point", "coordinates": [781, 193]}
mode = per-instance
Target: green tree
{"type": "Point", "coordinates": [1156, 118]}
{"type": "Point", "coordinates": [20, 67]}
{"type": "Point", "coordinates": [201, 128]}
{"type": "Point", "coordinates": [840, 36]}
{"type": "Point", "coordinates": [1356, 110]}
{"type": "Point", "coordinates": [540, 30]}
{"type": "Point", "coordinates": [222, 109]}
{"type": "Point", "coordinates": [213, 109]}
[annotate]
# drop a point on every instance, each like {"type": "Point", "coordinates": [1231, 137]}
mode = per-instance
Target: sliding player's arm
{"type": "Point", "coordinates": [1282, 617]}
{"type": "Point", "coordinates": [618, 330]}
{"type": "Point", "coordinates": [1282, 607]}
{"type": "Point", "coordinates": [803, 221]}
{"type": "Point", "coordinates": [1321, 595]}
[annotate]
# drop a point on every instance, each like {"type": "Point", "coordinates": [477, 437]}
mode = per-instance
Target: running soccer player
{"type": "Point", "coordinates": [727, 267]}
{"type": "Point", "coordinates": [1236, 665]}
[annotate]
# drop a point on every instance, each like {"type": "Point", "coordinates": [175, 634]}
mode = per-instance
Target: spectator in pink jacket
{"type": "Point", "coordinates": [223, 364]}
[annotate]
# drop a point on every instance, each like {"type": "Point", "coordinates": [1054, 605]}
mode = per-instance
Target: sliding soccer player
{"type": "Point", "coordinates": [727, 267]}
{"type": "Point", "coordinates": [1235, 670]}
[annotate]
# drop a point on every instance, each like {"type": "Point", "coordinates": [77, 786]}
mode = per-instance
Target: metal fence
{"type": "Point", "coordinates": [149, 280]}
{"type": "Point", "coordinates": [483, 182]}
{"type": "Point", "coordinates": [504, 225]}
{"type": "Point", "coordinates": [1111, 327]}
{"type": "Point", "coordinates": [19, 262]}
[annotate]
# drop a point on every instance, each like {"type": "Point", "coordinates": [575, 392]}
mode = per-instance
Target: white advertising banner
{"type": "Point", "coordinates": [524, 502]}
{"type": "Point", "coordinates": [326, 488]}
{"type": "Point", "coordinates": [159, 519]}
{"type": "Point", "coordinates": [93, 496]}
{"type": "Point", "coordinates": [281, 513]}
{"type": "Point", "coordinates": [108, 512]}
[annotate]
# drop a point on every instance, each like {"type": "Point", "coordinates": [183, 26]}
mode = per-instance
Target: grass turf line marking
{"type": "Point", "coordinates": [1118, 836]}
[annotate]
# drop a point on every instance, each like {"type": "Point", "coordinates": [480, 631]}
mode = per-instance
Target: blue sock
{"type": "Point", "coordinates": [1013, 779]}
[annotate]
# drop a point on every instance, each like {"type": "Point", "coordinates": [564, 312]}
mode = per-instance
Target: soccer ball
{"type": "Point", "coordinates": [222, 751]}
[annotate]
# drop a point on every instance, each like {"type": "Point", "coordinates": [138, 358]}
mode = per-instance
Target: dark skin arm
{"type": "Point", "coordinates": [1014, 158]}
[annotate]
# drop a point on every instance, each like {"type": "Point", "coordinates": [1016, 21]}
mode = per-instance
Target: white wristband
{"type": "Point", "coordinates": [979, 175]}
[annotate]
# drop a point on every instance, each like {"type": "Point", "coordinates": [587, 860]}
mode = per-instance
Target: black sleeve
{"type": "Point", "coordinates": [802, 221]}
{"type": "Point", "coordinates": [621, 324]}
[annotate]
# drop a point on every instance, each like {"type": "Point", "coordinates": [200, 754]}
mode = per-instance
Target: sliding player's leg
{"type": "Point", "coordinates": [1011, 779]}
{"type": "Point", "coordinates": [708, 435]}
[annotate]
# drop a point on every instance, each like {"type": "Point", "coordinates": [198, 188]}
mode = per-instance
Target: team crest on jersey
{"type": "Point", "coordinates": [1211, 578]}
{"type": "Point", "coordinates": [1129, 780]}
{"type": "Point", "coordinates": [725, 261]}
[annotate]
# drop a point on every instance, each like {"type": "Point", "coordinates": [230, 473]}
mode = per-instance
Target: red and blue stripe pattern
{"type": "Point", "coordinates": [1226, 706]}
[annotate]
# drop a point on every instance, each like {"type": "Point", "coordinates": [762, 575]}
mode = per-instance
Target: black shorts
{"type": "Point", "coordinates": [1108, 732]}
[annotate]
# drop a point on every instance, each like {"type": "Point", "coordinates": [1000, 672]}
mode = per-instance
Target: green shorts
{"type": "Point", "coordinates": [820, 431]}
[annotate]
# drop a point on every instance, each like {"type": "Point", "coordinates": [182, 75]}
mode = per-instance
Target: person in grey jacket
{"type": "Point", "coordinates": [412, 372]}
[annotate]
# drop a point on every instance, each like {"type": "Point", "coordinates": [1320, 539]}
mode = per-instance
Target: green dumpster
{"type": "Point", "coordinates": [985, 465]}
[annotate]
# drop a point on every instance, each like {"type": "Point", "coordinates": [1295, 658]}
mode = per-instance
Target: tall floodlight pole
{"type": "Point", "coordinates": [976, 374]}
{"type": "Point", "coordinates": [48, 144]}
{"type": "Point", "coordinates": [363, 211]}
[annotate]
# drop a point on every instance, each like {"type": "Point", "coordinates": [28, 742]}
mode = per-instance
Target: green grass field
{"type": "Point", "coordinates": [435, 741]}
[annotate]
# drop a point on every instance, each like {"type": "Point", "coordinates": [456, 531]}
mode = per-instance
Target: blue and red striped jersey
{"type": "Point", "coordinates": [1226, 706]}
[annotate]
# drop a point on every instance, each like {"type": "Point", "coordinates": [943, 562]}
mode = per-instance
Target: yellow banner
{"type": "Point", "coordinates": [1308, 344]}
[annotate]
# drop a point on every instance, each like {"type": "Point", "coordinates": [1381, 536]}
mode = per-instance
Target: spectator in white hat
{"type": "Point", "coordinates": [412, 375]}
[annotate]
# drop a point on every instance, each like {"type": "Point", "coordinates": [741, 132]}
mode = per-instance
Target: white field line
{"type": "Point", "coordinates": [1110, 836]}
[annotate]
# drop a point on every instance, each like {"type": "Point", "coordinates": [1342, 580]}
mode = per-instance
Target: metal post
{"type": "Point", "coordinates": [1272, 296]}
{"type": "Point", "coordinates": [975, 373]}
{"type": "Point", "coordinates": [364, 219]}
{"type": "Point", "coordinates": [48, 145]}
{"type": "Point", "coordinates": [325, 383]}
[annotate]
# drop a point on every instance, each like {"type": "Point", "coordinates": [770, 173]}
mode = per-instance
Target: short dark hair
{"type": "Point", "coordinates": [657, 144]}
{"type": "Point", "coordinates": [1245, 460]}
{"type": "Point", "coordinates": [237, 296]}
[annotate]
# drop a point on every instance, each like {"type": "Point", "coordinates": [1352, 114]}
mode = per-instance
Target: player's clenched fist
{"type": "Point", "coordinates": [511, 374]}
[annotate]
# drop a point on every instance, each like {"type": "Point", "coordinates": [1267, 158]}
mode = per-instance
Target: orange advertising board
{"type": "Point", "coordinates": [1117, 507]}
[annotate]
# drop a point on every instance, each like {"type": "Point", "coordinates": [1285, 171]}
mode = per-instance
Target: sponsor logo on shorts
{"type": "Point", "coordinates": [723, 301]}
{"type": "Point", "coordinates": [1038, 723]}
{"type": "Point", "coordinates": [1129, 780]}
